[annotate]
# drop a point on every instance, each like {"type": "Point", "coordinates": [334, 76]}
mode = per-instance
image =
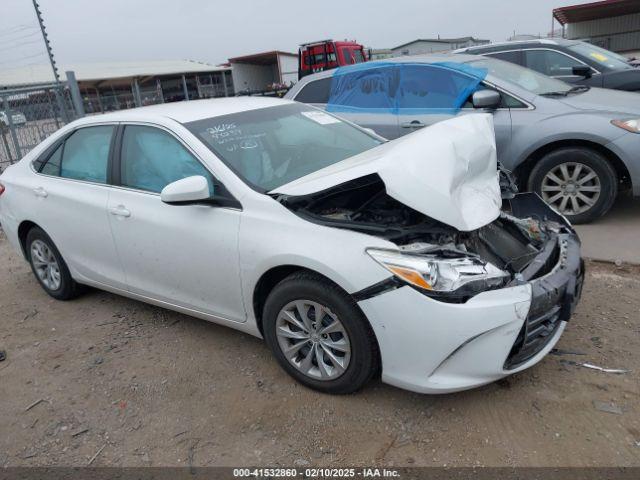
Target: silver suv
{"type": "Point", "coordinates": [576, 146]}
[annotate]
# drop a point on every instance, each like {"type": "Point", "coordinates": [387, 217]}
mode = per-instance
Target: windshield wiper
{"type": "Point", "coordinates": [564, 93]}
{"type": "Point", "coordinates": [579, 89]}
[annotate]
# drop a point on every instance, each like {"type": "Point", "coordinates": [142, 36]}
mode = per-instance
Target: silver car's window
{"type": "Point", "coordinates": [525, 78]}
{"type": "Point", "coordinates": [550, 63]}
{"type": "Point", "coordinates": [83, 156]}
{"type": "Point", "coordinates": [151, 159]}
{"type": "Point", "coordinates": [601, 56]}
{"type": "Point", "coordinates": [273, 146]}
{"type": "Point", "coordinates": [315, 92]}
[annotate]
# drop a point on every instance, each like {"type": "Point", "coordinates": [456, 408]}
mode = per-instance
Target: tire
{"type": "Point", "coordinates": [562, 165]}
{"type": "Point", "coordinates": [40, 248]}
{"type": "Point", "coordinates": [359, 364]}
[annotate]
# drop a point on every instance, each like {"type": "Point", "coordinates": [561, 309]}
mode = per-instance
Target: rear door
{"type": "Point", "coordinates": [185, 255]}
{"type": "Point", "coordinates": [71, 194]}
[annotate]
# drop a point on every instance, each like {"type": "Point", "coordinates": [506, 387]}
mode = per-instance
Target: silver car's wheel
{"type": "Point", "coordinates": [313, 339]}
{"type": "Point", "coordinates": [571, 188]}
{"type": "Point", "coordinates": [45, 265]}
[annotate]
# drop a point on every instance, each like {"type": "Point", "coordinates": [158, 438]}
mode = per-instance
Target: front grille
{"type": "Point", "coordinates": [534, 335]}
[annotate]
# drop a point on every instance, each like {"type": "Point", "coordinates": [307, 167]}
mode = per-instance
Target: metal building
{"type": "Point", "coordinates": [117, 85]}
{"type": "Point", "coordinates": [610, 24]}
{"type": "Point", "coordinates": [432, 45]}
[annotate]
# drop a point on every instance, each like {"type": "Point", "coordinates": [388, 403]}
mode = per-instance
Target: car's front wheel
{"type": "Point", "coordinates": [319, 335]}
{"type": "Point", "coordinates": [578, 182]}
{"type": "Point", "coordinates": [49, 267]}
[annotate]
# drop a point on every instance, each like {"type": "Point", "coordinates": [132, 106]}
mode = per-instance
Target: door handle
{"type": "Point", "coordinates": [413, 124]}
{"type": "Point", "coordinates": [120, 211]}
{"type": "Point", "coordinates": [40, 192]}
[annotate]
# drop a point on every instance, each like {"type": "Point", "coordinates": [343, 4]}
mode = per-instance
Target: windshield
{"type": "Point", "coordinates": [525, 78]}
{"type": "Point", "coordinates": [603, 57]}
{"type": "Point", "coordinates": [270, 147]}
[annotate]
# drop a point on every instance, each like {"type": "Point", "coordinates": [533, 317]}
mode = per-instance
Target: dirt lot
{"type": "Point", "coordinates": [145, 386]}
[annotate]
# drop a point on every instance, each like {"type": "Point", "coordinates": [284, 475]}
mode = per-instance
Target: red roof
{"type": "Point", "coordinates": [595, 10]}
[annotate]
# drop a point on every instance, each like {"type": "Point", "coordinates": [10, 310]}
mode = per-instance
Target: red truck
{"type": "Point", "coordinates": [326, 54]}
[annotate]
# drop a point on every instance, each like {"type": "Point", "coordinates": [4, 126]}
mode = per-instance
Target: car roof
{"type": "Point", "coordinates": [422, 58]}
{"type": "Point", "coordinates": [192, 110]}
{"type": "Point", "coordinates": [518, 43]}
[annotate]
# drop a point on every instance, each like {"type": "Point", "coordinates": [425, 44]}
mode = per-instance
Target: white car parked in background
{"type": "Point", "coordinates": [351, 256]}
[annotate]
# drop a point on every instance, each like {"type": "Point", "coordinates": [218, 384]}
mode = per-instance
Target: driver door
{"type": "Point", "coordinates": [184, 255]}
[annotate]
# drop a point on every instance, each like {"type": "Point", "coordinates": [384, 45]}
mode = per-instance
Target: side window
{"type": "Point", "coordinates": [84, 155]}
{"type": "Point", "coordinates": [550, 62]}
{"type": "Point", "coordinates": [52, 167]}
{"type": "Point", "coordinates": [370, 89]}
{"type": "Point", "coordinates": [151, 159]}
{"type": "Point", "coordinates": [432, 87]}
{"type": "Point", "coordinates": [315, 92]}
{"type": "Point", "coordinates": [513, 56]}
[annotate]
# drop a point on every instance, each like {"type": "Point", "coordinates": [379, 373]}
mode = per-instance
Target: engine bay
{"type": "Point", "coordinates": [509, 243]}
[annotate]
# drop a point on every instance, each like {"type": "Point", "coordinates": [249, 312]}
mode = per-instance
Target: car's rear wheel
{"type": "Point", "coordinates": [578, 182]}
{"type": "Point", "coordinates": [319, 335]}
{"type": "Point", "coordinates": [49, 267]}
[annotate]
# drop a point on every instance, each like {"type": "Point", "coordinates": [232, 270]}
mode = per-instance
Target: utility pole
{"type": "Point", "coordinates": [46, 42]}
{"type": "Point", "coordinates": [56, 76]}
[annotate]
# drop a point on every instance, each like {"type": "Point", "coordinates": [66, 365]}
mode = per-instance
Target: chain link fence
{"type": "Point", "coordinates": [30, 114]}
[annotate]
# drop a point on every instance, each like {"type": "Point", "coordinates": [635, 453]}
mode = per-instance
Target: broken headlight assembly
{"type": "Point", "coordinates": [441, 276]}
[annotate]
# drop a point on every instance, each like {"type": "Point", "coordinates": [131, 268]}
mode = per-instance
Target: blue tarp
{"type": "Point", "coordinates": [403, 88]}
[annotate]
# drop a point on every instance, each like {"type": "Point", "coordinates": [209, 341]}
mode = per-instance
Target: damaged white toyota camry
{"type": "Point", "coordinates": [353, 257]}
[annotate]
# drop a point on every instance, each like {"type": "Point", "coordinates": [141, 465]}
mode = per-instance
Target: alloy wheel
{"type": "Point", "coordinates": [571, 188]}
{"type": "Point", "coordinates": [313, 339]}
{"type": "Point", "coordinates": [45, 265]}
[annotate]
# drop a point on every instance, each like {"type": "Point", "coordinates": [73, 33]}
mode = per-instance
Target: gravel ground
{"type": "Point", "coordinates": [143, 386]}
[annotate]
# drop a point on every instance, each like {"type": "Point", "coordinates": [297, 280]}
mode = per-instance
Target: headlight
{"type": "Point", "coordinates": [432, 273]}
{"type": "Point", "coordinates": [631, 125]}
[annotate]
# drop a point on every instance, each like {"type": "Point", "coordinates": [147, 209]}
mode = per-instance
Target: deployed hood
{"type": "Point", "coordinates": [447, 171]}
{"type": "Point", "coordinates": [605, 100]}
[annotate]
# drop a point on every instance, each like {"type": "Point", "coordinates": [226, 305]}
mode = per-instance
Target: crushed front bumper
{"type": "Point", "coordinates": [430, 346]}
{"type": "Point", "coordinates": [553, 299]}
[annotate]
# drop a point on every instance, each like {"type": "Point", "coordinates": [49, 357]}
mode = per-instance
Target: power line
{"type": "Point", "coordinates": [18, 29]}
{"type": "Point", "coordinates": [12, 47]}
{"type": "Point", "coordinates": [22, 58]}
{"type": "Point", "coordinates": [23, 37]}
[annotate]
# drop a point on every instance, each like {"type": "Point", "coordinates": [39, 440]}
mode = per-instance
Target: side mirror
{"type": "Point", "coordinates": [486, 98]}
{"type": "Point", "coordinates": [582, 71]}
{"type": "Point", "coordinates": [185, 191]}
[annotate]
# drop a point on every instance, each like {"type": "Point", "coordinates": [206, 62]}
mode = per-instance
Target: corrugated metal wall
{"type": "Point", "coordinates": [620, 34]}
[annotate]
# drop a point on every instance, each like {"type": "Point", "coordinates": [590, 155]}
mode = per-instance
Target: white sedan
{"type": "Point", "coordinates": [351, 256]}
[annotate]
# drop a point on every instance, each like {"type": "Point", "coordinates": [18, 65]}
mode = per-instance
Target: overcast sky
{"type": "Point", "coordinates": [212, 31]}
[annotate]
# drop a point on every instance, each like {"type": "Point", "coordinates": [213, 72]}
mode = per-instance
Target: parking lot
{"type": "Point", "coordinates": [138, 385]}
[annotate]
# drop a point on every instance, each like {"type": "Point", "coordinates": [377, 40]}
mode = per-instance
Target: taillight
{"type": "Point", "coordinates": [2, 189]}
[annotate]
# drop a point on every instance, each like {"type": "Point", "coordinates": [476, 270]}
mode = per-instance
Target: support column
{"type": "Point", "coordinates": [76, 96]}
{"type": "Point", "coordinates": [185, 88]}
{"type": "Point", "coordinates": [12, 130]}
{"type": "Point", "coordinates": [137, 98]}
